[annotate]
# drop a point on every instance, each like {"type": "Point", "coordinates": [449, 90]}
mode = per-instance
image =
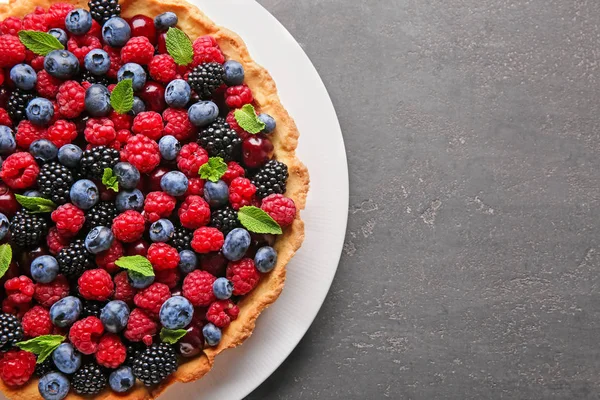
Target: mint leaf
{"type": "Point", "coordinates": [138, 264]}
{"type": "Point", "coordinates": [36, 204]}
{"type": "Point", "coordinates": [40, 43]}
{"type": "Point", "coordinates": [5, 258]}
{"type": "Point", "coordinates": [256, 220]}
{"type": "Point", "coordinates": [121, 98]}
{"type": "Point", "coordinates": [172, 336]}
{"type": "Point", "coordinates": [248, 120]}
{"type": "Point", "coordinates": [110, 180]}
{"type": "Point", "coordinates": [42, 346]}
{"type": "Point", "coordinates": [213, 170]}
{"type": "Point", "coordinates": [179, 46]}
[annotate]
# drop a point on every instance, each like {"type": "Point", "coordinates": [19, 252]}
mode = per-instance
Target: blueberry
{"type": "Point", "coordinates": [234, 73]}
{"type": "Point", "coordinates": [174, 183]}
{"type": "Point", "coordinates": [24, 76]}
{"type": "Point", "coordinates": [121, 379]}
{"type": "Point", "coordinates": [54, 386]}
{"type": "Point", "coordinates": [166, 20]}
{"type": "Point", "coordinates": [44, 269]}
{"type": "Point", "coordinates": [4, 225]}
{"type": "Point", "coordinates": [114, 316]}
{"type": "Point", "coordinates": [269, 122]}
{"type": "Point", "coordinates": [216, 193]}
{"type": "Point", "coordinates": [60, 34]}
{"type": "Point", "coordinates": [69, 155]}
{"type": "Point", "coordinates": [212, 334]}
{"type": "Point", "coordinates": [40, 111]}
{"type": "Point", "coordinates": [97, 101]}
{"type": "Point", "coordinates": [203, 113]}
{"type": "Point", "coordinates": [99, 239]}
{"type": "Point", "coordinates": [223, 288]}
{"type": "Point", "coordinates": [236, 244]}
{"type": "Point", "coordinates": [97, 62]}
{"type": "Point", "coordinates": [116, 32]}
{"type": "Point", "coordinates": [135, 72]}
{"type": "Point", "coordinates": [130, 200]}
{"type": "Point", "coordinates": [84, 194]}
{"type": "Point", "coordinates": [169, 147]}
{"type": "Point", "coordinates": [78, 21]}
{"type": "Point", "coordinates": [33, 193]}
{"type": "Point", "coordinates": [138, 106]}
{"type": "Point", "coordinates": [265, 259]}
{"type": "Point", "coordinates": [65, 311]}
{"type": "Point", "coordinates": [61, 64]}
{"type": "Point", "coordinates": [7, 140]}
{"type": "Point", "coordinates": [138, 280]}
{"type": "Point", "coordinates": [66, 358]}
{"type": "Point", "coordinates": [188, 261]}
{"type": "Point", "coordinates": [43, 150]}
{"type": "Point", "coordinates": [176, 313]}
{"type": "Point", "coordinates": [178, 93]}
{"type": "Point", "coordinates": [127, 175]}
{"type": "Point", "coordinates": [161, 230]}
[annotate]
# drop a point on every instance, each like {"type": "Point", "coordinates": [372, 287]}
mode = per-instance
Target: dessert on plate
{"type": "Point", "coordinates": [150, 196]}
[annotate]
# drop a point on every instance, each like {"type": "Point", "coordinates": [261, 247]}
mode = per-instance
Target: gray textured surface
{"type": "Point", "coordinates": [470, 269]}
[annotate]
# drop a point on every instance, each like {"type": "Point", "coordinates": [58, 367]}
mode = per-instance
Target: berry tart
{"type": "Point", "coordinates": [150, 196]}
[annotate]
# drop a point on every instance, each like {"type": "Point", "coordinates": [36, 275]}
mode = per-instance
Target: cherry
{"type": "Point", "coordinates": [153, 94]}
{"type": "Point", "coordinates": [8, 203]}
{"type": "Point", "coordinates": [154, 178]}
{"type": "Point", "coordinates": [214, 263]}
{"type": "Point", "coordinates": [192, 343]}
{"type": "Point", "coordinates": [143, 26]}
{"type": "Point", "coordinates": [105, 193]}
{"type": "Point", "coordinates": [162, 43]}
{"type": "Point", "coordinates": [139, 248]}
{"type": "Point", "coordinates": [256, 151]}
{"type": "Point", "coordinates": [27, 257]}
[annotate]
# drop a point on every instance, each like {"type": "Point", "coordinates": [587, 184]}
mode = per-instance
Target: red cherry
{"type": "Point", "coordinates": [153, 94]}
{"type": "Point", "coordinates": [139, 248]}
{"type": "Point", "coordinates": [105, 193]}
{"type": "Point", "coordinates": [214, 263]}
{"type": "Point", "coordinates": [154, 178]}
{"type": "Point", "coordinates": [8, 203]}
{"type": "Point", "coordinates": [27, 257]}
{"type": "Point", "coordinates": [162, 43]}
{"type": "Point", "coordinates": [256, 151]}
{"type": "Point", "coordinates": [192, 343]}
{"type": "Point", "coordinates": [143, 26]}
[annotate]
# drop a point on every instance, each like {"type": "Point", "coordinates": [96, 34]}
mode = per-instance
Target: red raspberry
{"type": "Point", "coordinates": [37, 63]}
{"type": "Point", "coordinates": [282, 209]}
{"type": "Point", "coordinates": [241, 193]}
{"type": "Point", "coordinates": [158, 205]}
{"type": "Point", "coordinates": [62, 132]}
{"type": "Point", "coordinates": [70, 98]}
{"type": "Point", "coordinates": [148, 123]}
{"type": "Point", "coordinates": [11, 26]}
{"type": "Point", "coordinates": [85, 334]}
{"type": "Point", "coordinates": [198, 288]}
{"type": "Point", "coordinates": [244, 276]}
{"type": "Point", "coordinates": [123, 136]}
{"type": "Point", "coordinates": [111, 351]}
{"type": "Point", "coordinates": [128, 226]}
{"type": "Point", "coordinates": [123, 290]}
{"type": "Point", "coordinates": [28, 133]}
{"type": "Point", "coordinates": [55, 241]}
{"type": "Point", "coordinates": [57, 13]}
{"type": "Point", "coordinates": [232, 122]}
{"type": "Point", "coordinates": [163, 68]}
{"type": "Point", "coordinates": [96, 284]}
{"type": "Point", "coordinates": [214, 263]}
{"type": "Point", "coordinates": [95, 30]}
{"type": "Point", "coordinates": [169, 277]}
{"type": "Point", "coordinates": [238, 96]}
{"type": "Point", "coordinates": [178, 124]}
{"type": "Point", "coordinates": [19, 170]}
{"type": "Point", "coordinates": [47, 85]}
{"type": "Point", "coordinates": [46, 294]}
{"type": "Point", "coordinates": [35, 22]}
{"type": "Point", "coordinates": [222, 312]}
{"type": "Point", "coordinates": [121, 121]}
{"type": "Point", "coordinates": [115, 61]}
{"type": "Point", "coordinates": [137, 50]}
{"type": "Point", "coordinates": [142, 153]}
{"type": "Point", "coordinates": [19, 290]}
{"type": "Point", "coordinates": [207, 239]}
{"type": "Point", "coordinates": [140, 326]}
{"type": "Point", "coordinates": [56, 115]}
{"type": "Point", "coordinates": [207, 50]}
{"type": "Point", "coordinates": [4, 118]}
{"type": "Point", "coordinates": [107, 258]}
{"type": "Point", "coordinates": [195, 187]}
{"type": "Point", "coordinates": [194, 212]}
{"type": "Point", "coordinates": [162, 256]}
{"type": "Point", "coordinates": [36, 322]}
{"type": "Point", "coordinates": [12, 51]}
{"type": "Point", "coordinates": [68, 219]}
{"type": "Point", "coordinates": [81, 45]}
{"type": "Point", "coordinates": [152, 298]}
{"type": "Point", "coordinates": [234, 170]}
{"type": "Point", "coordinates": [10, 307]}
{"type": "Point", "coordinates": [100, 131]}
{"type": "Point", "coordinates": [16, 367]}
{"type": "Point", "coordinates": [191, 157]}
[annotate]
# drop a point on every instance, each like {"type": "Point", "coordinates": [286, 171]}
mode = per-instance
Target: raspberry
{"type": "Point", "coordinates": [142, 153]}
{"type": "Point", "coordinates": [207, 239]}
{"type": "Point", "coordinates": [100, 131]}
{"type": "Point", "coordinates": [115, 61]}
{"type": "Point", "coordinates": [16, 309]}
{"type": "Point", "coordinates": [62, 132]}
{"type": "Point", "coordinates": [163, 68]}
{"type": "Point", "coordinates": [95, 30]}
{"type": "Point", "coordinates": [19, 170]}
{"type": "Point", "coordinates": [35, 22]}
{"type": "Point", "coordinates": [123, 290]}
{"type": "Point", "coordinates": [85, 334]}
{"type": "Point", "coordinates": [107, 258]}
{"type": "Point", "coordinates": [206, 50]}
{"type": "Point", "coordinates": [178, 124]}
{"type": "Point", "coordinates": [28, 133]}
{"type": "Point", "coordinates": [47, 294]}
{"type": "Point", "coordinates": [96, 284]}
{"type": "Point", "coordinates": [140, 327]}
{"type": "Point", "coordinates": [16, 367]}
{"type": "Point", "coordinates": [241, 193]}
{"type": "Point", "coordinates": [162, 256]}
{"type": "Point", "coordinates": [55, 241]}
{"type": "Point", "coordinates": [169, 277]}
{"type": "Point", "coordinates": [195, 187]}
{"type": "Point", "coordinates": [128, 226]}
{"type": "Point", "coordinates": [37, 63]}
{"type": "Point", "coordinates": [47, 85]}
{"type": "Point", "coordinates": [222, 312]}
{"type": "Point", "coordinates": [11, 26]}
{"type": "Point", "coordinates": [148, 123]}
{"type": "Point", "coordinates": [158, 205]}
{"type": "Point", "coordinates": [194, 212]}
{"type": "Point", "coordinates": [123, 136]}
{"type": "Point", "coordinates": [244, 276]}
{"type": "Point", "coordinates": [70, 98]}
{"type": "Point", "coordinates": [238, 96]}
{"type": "Point", "coordinates": [36, 322]}
{"type": "Point", "coordinates": [282, 209]}
{"type": "Point", "coordinates": [5, 118]}
{"type": "Point", "coordinates": [56, 115]}
{"type": "Point", "coordinates": [121, 121]}
{"type": "Point", "coordinates": [197, 288]}
{"type": "Point", "coordinates": [12, 50]}
{"type": "Point", "coordinates": [111, 351]}
{"type": "Point", "coordinates": [234, 170]}
{"type": "Point", "coordinates": [81, 45]}
{"type": "Point", "coordinates": [68, 219]}
{"type": "Point", "coordinates": [137, 50]}
{"type": "Point", "coordinates": [55, 18]}
{"type": "Point", "coordinates": [19, 290]}
{"type": "Point", "coordinates": [152, 298]}
{"type": "Point", "coordinates": [191, 157]}
{"type": "Point", "coordinates": [235, 126]}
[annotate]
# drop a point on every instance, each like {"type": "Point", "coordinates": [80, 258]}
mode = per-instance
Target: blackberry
{"type": "Point", "coordinates": [102, 214]}
{"type": "Point", "coordinates": [55, 181]}
{"type": "Point", "coordinates": [206, 78]}
{"type": "Point", "coordinates": [89, 379]}
{"type": "Point", "coordinates": [220, 140]}
{"type": "Point", "coordinates": [103, 10]}
{"type": "Point", "coordinates": [11, 331]}
{"type": "Point", "coordinates": [94, 161]}
{"type": "Point", "coordinates": [271, 178]}
{"type": "Point", "coordinates": [17, 103]}
{"type": "Point", "coordinates": [45, 367]}
{"type": "Point", "coordinates": [155, 363]}
{"type": "Point", "coordinates": [74, 259]}
{"type": "Point", "coordinates": [91, 78]}
{"type": "Point", "coordinates": [224, 219]}
{"type": "Point", "coordinates": [27, 230]}
{"type": "Point", "coordinates": [134, 350]}
{"type": "Point", "coordinates": [92, 308]}
{"type": "Point", "coordinates": [182, 238]}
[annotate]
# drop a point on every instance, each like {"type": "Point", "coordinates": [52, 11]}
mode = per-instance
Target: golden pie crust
{"type": "Point", "coordinates": [285, 140]}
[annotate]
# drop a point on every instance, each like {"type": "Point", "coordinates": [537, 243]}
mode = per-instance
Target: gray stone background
{"type": "Point", "coordinates": [470, 269]}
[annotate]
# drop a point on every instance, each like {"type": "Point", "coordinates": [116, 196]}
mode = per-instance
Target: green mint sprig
{"type": "Point", "coordinates": [172, 336]}
{"type": "Point", "coordinates": [213, 170]}
{"type": "Point", "coordinates": [36, 204]}
{"type": "Point", "coordinates": [256, 220]}
{"type": "Point", "coordinates": [179, 46]}
{"type": "Point", "coordinates": [110, 180]}
{"type": "Point", "coordinates": [138, 264]}
{"type": "Point", "coordinates": [121, 98]}
{"type": "Point", "coordinates": [41, 346]}
{"type": "Point", "coordinates": [40, 43]}
{"type": "Point", "coordinates": [5, 258]}
{"type": "Point", "coordinates": [248, 120]}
